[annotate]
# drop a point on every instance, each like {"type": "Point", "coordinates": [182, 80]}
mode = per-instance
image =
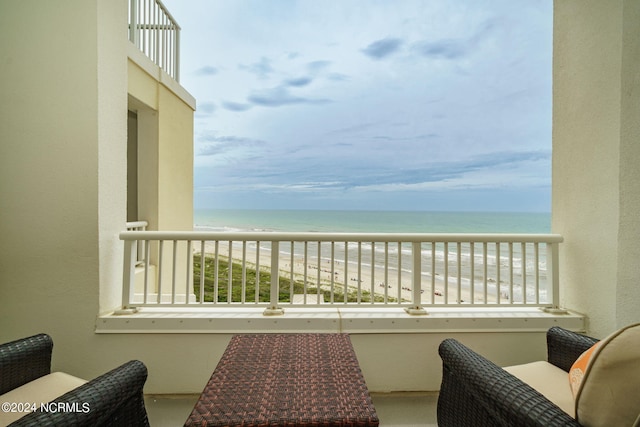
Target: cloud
{"type": "Point", "coordinates": [380, 49]}
{"type": "Point", "coordinates": [352, 129]}
{"type": "Point", "coordinates": [279, 96]}
{"type": "Point", "coordinates": [262, 68]}
{"type": "Point", "coordinates": [447, 49]}
{"type": "Point", "coordinates": [320, 68]}
{"type": "Point", "coordinates": [309, 186]}
{"type": "Point", "coordinates": [216, 145]}
{"type": "Point", "coordinates": [491, 170]}
{"type": "Point", "coordinates": [455, 48]}
{"type": "Point", "coordinates": [235, 106]}
{"type": "Point", "coordinates": [487, 170]}
{"type": "Point", "coordinates": [206, 71]}
{"type": "Point", "coordinates": [492, 179]}
{"type": "Point", "coordinates": [406, 138]}
{"type": "Point", "coordinates": [338, 77]}
{"type": "Point", "coordinates": [298, 82]}
{"type": "Point", "coordinates": [317, 66]}
{"type": "Point", "coordinates": [206, 107]}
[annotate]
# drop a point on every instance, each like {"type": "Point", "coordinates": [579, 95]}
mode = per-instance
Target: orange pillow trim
{"type": "Point", "coordinates": [579, 369]}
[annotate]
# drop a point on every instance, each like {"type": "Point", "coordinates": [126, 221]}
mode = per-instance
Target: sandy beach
{"type": "Point", "coordinates": [313, 270]}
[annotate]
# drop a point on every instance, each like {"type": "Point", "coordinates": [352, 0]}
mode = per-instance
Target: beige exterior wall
{"type": "Point", "coordinates": [63, 109]}
{"type": "Point", "coordinates": [165, 159]}
{"type": "Point", "coordinates": [165, 121]}
{"type": "Point", "coordinates": [63, 163]}
{"type": "Point", "coordinates": [596, 181]}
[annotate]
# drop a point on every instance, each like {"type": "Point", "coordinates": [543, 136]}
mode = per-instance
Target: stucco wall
{"type": "Point", "coordinates": [63, 107]}
{"type": "Point", "coordinates": [165, 123]}
{"type": "Point", "coordinates": [175, 205]}
{"type": "Point", "coordinates": [595, 134]}
{"type": "Point", "coordinates": [182, 363]}
{"type": "Point", "coordinates": [63, 116]}
{"type": "Point", "coordinates": [628, 296]}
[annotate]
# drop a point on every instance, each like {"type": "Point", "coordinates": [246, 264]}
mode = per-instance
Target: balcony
{"type": "Point", "coordinates": [499, 291]}
{"type": "Point", "coordinates": [348, 282]}
{"type": "Point", "coordinates": [156, 33]}
{"type": "Point", "coordinates": [71, 283]}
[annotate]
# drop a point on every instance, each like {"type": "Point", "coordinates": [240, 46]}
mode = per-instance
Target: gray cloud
{"type": "Point", "coordinates": [320, 68]}
{"type": "Point", "coordinates": [279, 96]}
{"type": "Point", "coordinates": [216, 145]}
{"type": "Point", "coordinates": [442, 171]}
{"type": "Point", "coordinates": [262, 68]}
{"type": "Point", "coordinates": [352, 129]}
{"type": "Point", "coordinates": [406, 138]}
{"type": "Point", "coordinates": [317, 66]}
{"type": "Point", "coordinates": [347, 176]}
{"type": "Point", "coordinates": [235, 106]}
{"type": "Point", "coordinates": [447, 49]}
{"type": "Point", "coordinates": [206, 71]}
{"type": "Point", "coordinates": [206, 107]}
{"type": "Point", "coordinates": [338, 77]}
{"type": "Point", "coordinates": [454, 48]}
{"type": "Point", "coordinates": [298, 82]}
{"type": "Point", "coordinates": [382, 48]}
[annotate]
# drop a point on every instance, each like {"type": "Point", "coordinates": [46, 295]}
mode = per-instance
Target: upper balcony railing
{"type": "Point", "coordinates": [280, 270]}
{"type": "Point", "coordinates": [153, 30]}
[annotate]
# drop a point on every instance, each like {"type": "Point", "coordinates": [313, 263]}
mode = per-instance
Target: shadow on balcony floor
{"type": "Point", "coordinates": [394, 409]}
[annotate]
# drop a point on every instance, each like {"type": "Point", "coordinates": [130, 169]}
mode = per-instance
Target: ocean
{"type": "Point", "coordinates": [371, 221]}
{"type": "Point", "coordinates": [444, 270]}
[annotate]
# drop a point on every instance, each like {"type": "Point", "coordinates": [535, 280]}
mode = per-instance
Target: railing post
{"type": "Point", "coordinates": [128, 277]}
{"type": "Point", "coordinates": [273, 309]}
{"type": "Point", "coordinates": [553, 279]}
{"type": "Point", "coordinates": [416, 280]}
{"type": "Point", "coordinates": [133, 25]}
{"type": "Point", "coordinates": [176, 59]}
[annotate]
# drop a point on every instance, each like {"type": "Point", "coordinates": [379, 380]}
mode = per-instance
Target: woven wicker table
{"type": "Point", "coordinates": [286, 380]}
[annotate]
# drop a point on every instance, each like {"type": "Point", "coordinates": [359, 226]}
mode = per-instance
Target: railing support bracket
{"type": "Point", "coordinates": [125, 311]}
{"type": "Point", "coordinates": [273, 311]}
{"type": "Point", "coordinates": [416, 311]}
{"type": "Point", "coordinates": [554, 310]}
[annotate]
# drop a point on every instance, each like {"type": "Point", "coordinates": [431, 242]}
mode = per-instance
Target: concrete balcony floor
{"type": "Point", "coordinates": [394, 409]}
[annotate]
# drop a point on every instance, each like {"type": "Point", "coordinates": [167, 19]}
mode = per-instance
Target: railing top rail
{"type": "Point", "coordinates": [341, 237]}
{"type": "Point", "coordinates": [166, 11]}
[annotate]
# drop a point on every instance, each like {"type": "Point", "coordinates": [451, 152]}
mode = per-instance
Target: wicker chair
{"type": "Point", "coordinates": [476, 392]}
{"type": "Point", "coordinates": [113, 399]}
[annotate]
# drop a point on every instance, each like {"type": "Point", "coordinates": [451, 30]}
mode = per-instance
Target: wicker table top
{"type": "Point", "coordinates": [286, 380]}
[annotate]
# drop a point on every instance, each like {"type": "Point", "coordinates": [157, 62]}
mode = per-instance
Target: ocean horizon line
{"type": "Point", "coordinates": [375, 210]}
{"type": "Point", "coordinates": [373, 221]}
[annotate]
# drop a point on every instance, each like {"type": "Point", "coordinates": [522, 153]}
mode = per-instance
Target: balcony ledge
{"type": "Point", "coordinates": [346, 320]}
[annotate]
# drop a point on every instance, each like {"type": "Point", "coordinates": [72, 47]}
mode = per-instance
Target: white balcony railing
{"type": "Point", "coordinates": [153, 30]}
{"type": "Point", "coordinates": [280, 270]}
{"type": "Point", "coordinates": [140, 248]}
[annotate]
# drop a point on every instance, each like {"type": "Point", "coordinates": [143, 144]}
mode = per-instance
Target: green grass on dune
{"type": "Point", "coordinates": [262, 281]}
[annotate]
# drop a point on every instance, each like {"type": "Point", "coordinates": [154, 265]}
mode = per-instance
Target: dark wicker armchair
{"type": "Point", "coordinates": [113, 399]}
{"type": "Point", "coordinates": [476, 392]}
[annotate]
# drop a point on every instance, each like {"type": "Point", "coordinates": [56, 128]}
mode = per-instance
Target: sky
{"type": "Point", "coordinates": [440, 105]}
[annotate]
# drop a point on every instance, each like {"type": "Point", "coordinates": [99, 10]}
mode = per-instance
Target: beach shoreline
{"type": "Point", "coordinates": [386, 283]}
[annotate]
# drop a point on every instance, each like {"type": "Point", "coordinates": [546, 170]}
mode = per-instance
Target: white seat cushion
{"type": "Point", "coordinates": [42, 390]}
{"type": "Point", "coordinates": [549, 380]}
